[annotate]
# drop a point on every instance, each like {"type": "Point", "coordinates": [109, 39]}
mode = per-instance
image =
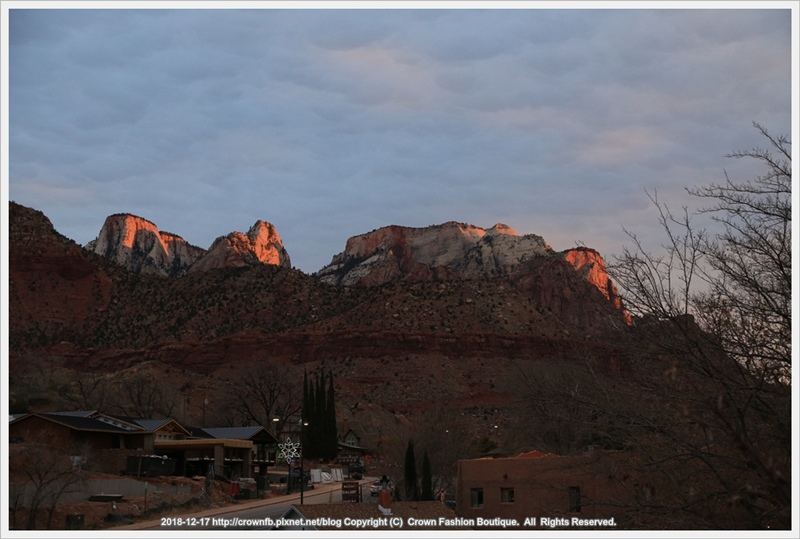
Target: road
{"type": "Point", "coordinates": [253, 514]}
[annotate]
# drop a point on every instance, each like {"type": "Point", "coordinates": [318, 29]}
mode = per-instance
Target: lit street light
{"type": "Point", "coordinates": [303, 424]}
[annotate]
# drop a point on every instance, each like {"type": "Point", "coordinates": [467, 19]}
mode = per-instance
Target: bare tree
{"type": "Point", "coordinates": [50, 473]}
{"type": "Point", "coordinates": [266, 392]}
{"type": "Point", "coordinates": [87, 390]}
{"type": "Point", "coordinates": [715, 330]}
{"type": "Point", "coordinates": [141, 395]}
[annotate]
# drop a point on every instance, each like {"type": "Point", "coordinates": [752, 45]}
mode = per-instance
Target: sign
{"type": "Point", "coordinates": [351, 492]}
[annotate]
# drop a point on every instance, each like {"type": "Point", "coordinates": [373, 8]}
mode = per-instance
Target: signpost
{"type": "Point", "coordinates": [351, 492]}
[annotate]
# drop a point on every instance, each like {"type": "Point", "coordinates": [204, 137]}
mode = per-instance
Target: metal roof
{"type": "Point", "coordinates": [78, 413]}
{"type": "Point", "coordinates": [234, 433]}
{"type": "Point", "coordinates": [151, 424]}
{"type": "Point", "coordinates": [81, 423]}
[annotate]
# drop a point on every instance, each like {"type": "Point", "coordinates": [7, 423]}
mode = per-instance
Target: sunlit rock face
{"type": "Point", "coordinates": [261, 245]}
{"type": "Point", "coordinates": [450, 250]}
{"type": "Point", "coordinates": [137, 245]}
{"type": "Point", "coordinates": [591, 266]}
{"type": "Point", "coordinates": [572, 284]}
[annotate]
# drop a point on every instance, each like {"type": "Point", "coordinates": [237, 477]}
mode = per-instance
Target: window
{"type": "Point", "coordinates": [476, 497]}
{"type": "Point", "coordinates": [507, 495]}
{"type": "Point", "coordinates": [574, 499]}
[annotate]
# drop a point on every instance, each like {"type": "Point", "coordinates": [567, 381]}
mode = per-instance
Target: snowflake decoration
{"type": "Point", "coordinates": [289, 449]}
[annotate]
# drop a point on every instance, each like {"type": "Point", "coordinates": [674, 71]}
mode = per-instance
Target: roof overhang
{"type": "Point", "coordinates": [202, 443]}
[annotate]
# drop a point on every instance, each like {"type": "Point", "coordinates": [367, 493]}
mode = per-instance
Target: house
{"type": "Point", "coordinates": [71, 431]}
{"type": "Point", "coordinates": [351, 439]}
{"type": "Point", "coordinates": [263, 442]}
{"type": "Point", "coordinates": [351, 452]}
{"type": "Point", "coordinates": [110, 439]}
{"type": "Point", "coordinates": [366, 517]}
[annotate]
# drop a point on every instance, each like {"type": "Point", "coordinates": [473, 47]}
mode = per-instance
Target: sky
{"type": "Point", "coordinates": [330, 123]}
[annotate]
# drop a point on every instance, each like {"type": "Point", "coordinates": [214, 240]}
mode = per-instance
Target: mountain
{"type": "Point", "coordinates": [450, 279]}
{"type": "Point", "coordinates": [456, 302]}
{"type": "Point", "coordinates": [137, 245]}
{"type": "Point", "coordinates": [473, 341]}
{"type": "Point", "coordinates": [573, 284]}
{"type": "Point", "coordinates": [54, 284]}
{"type": "Point", "coordinates": [449, 250]}
{"type": "Point", "coordinates": [261, 245]}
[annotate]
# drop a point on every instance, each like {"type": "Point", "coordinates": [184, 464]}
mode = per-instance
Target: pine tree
{"type": "Point", "coordinates": [410, 474]}
{"type": "Point", "coordinates": [320, 437]}
{"type": "Point", "coordinates": [427, 480]}
{"type": "Point", "coordinates": [318, 425]}
{"type": "Point", "coordinates": [307, 446]}
{"type": "Point", "coordinates": [331, 434]}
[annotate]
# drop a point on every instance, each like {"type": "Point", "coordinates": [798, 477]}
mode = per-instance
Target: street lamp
{"type": "Point", "coordinates": [289, 452]}
{"type": "Point", "coordinates": [276, 418]}
{"type": "Point", "coordinates": [303, 424]}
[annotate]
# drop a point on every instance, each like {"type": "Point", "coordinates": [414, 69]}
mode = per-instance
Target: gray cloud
{"type": "Point", "coordinates": [329, 123]}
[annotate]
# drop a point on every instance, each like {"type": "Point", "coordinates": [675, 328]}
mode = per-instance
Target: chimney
{"type": "Point", "coordinates": [385, 497]}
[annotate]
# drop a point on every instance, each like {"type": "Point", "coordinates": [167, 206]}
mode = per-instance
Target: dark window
{"type": "Point", "coordinates": [476, 497]}
{"type": "Point", "coordinates": [574, 499]}
{"type": "Point", "coordinates": [507, 495]}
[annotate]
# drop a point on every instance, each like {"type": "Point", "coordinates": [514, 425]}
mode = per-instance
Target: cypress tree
{"type": "Point", "coordinates": [410, 474]}
{"type": "Point", "coordinates": [310, 447]}
{"type": "Point", "coordinates": [427, 480]}
{"type": "Point", "coordinates": [331, 434]}
{"type": "Point", "coordinates": [317, 422]}
{"type": "Point", "coordinates": [307, 407]}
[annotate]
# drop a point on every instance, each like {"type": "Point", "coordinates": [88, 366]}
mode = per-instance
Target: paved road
{"type": "Point", "coordinates": [248, 512]}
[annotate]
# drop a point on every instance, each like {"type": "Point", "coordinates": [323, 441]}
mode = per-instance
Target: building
{"type": "Point", "coordinates": [592, 487]}
{"type": "Point", "coordinates": [264, 446]}
{"type": "Point", "coordinates": [106, 441]}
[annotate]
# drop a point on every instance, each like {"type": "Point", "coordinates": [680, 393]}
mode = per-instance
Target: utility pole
{"type": "Point", "coordinates": [303, 424]}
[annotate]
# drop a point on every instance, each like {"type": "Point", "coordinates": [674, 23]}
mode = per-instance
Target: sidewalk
{"type": "Point", "coordinates": [319, 488]}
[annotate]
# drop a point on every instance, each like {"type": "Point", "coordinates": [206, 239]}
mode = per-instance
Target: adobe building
{"type": "Point", "coordinates": [542, 490]}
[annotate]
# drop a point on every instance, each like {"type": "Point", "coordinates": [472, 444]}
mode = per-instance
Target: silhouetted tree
{"type": "Point", "coordinates": [715, 323]}
{"type": "Point", "coordinates": [426, 493]}
{"type": "Point", "coordinates": [410, 489]}
{"type": "Point", "coordinates": [319, 411]}
{"type": "Point", "coordinates": [266, 392]}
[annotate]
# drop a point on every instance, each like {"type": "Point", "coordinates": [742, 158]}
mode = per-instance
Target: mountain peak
{"type": "Point", "coordinates": [405, 253]}
{"type": "Point", "coordinates": [135, 243]}
{"type": "Point", "coordinates": [500, 228]}
{"type": "Point", "coordinates": [261, 245]}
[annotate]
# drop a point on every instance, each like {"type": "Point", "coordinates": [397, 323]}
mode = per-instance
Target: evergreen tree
{"type": "Point", "coordinates": [320, 438]}
{"type": "Point", "coordinates": [317, 424]}
{"type": "Point", "coordinates": [307, 447]}
{"type": "Point", "coordinates": [427, 480]}
{"type": "Point", "coordinates": [331, 434]}
{"type": "Point", "coordinates": [410, 474]}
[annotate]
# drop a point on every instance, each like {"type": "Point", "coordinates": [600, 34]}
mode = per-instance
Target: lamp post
{"type": "Point", "coordinates": [302, 470]}
{"type": "Point", "coordinates": [289, 451]}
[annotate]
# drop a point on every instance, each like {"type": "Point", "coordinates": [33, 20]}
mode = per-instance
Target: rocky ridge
{"type": "Point", "coordinates": [73, 308]}
{"type": "Point", "coordinates": [453, 250]}
{"type": "Point", "coordinates": [556, 281]}
{"type": "Point", "coordinates": [136, 244]}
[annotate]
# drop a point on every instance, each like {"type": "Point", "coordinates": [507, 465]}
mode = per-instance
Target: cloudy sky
{"type": "Point", "coordinates": [332, 122]}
